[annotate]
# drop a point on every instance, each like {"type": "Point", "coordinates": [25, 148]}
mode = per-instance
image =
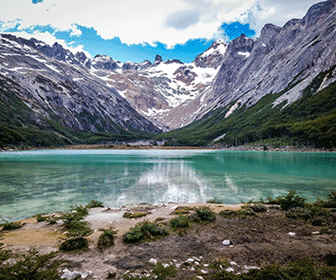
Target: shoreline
{"type": "Point", "coordinates": [258, 148]}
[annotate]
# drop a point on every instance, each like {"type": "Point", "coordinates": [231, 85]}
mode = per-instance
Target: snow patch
{"type": "Point", "coordinates": [246, 54]}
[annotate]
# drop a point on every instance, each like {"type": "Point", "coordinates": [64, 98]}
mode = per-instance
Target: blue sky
{"type": "Point", "coordinates": [135, 30]}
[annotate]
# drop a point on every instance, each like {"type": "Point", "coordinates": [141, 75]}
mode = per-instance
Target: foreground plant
{"type": "Point", "coordinates": [94, 203]}
{"type": "Point", "coordinates": [179, 222]}
{"type": "Point", "coordinates": [76, 229]}
{"type": "Point", "coordinates": [143, 230]}
{"type": "Point", "coordinates": [205, 214]}
{"type": "Point", "coordinates": [12, 225]}
{"type": "Point", "coordinates": [106, 239]}
{"type": "Point", "coordinates": [30, 266]}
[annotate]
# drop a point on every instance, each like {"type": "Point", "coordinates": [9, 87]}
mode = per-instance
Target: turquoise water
{"type": "Point", "coordinates": [47, 181]}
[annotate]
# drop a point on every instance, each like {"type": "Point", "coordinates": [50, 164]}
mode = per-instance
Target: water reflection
{"type": "Point", "coordinates": [47, 181]}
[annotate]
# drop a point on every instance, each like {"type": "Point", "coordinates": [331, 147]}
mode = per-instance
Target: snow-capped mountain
{"type": "Point", "coordinates": [170, 94]}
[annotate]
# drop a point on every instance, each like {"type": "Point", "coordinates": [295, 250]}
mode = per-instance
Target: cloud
{"type": "Point", "coordinates": [147, 21]}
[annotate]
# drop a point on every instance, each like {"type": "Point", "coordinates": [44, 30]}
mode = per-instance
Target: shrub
{"type": "Point", "coordinates": [179, 222]}
{"type": "Point", "coordinates": [51, 221]}
{"type": "Point", "coordinates": [215, 201]}
{"type": "Point", "coordinates": [258, 208]}
{"type": "Point", "coordinates": [228, 213]}
{"type": "Point", "coordinates": [31, 266]}
{"type": "Point", "coordinates": [219, 263]}
{"type": "Point", "coordinates": [106, 239]}
{"type": "Point", "coordinates": [80, 210]}
{"type": "Point", "coordinates": [291, 200]}
{"type": "Point", "coordinates": [134, 215]}
{"type": "Point", "coordinates": [143, 230]}
{"type": "Point", "coordinates": [205, 213]}
{"type": "Point", "coordinates": [12, 225]}
{"type": "Point", "coordinates": [72, 244]}
{"type": "Point", "coordinates": [40, 218]}
{"type": "Point", "coordinates": [162, 271]}
{"type": "Point", "coordinates": [94, 203]}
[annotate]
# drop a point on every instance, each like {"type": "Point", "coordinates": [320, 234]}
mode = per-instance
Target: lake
{"type": "Point", "coordinates": [32, 182]}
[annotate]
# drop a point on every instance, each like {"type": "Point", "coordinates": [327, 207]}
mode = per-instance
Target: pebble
{"type": "Point", "coordinates": [190, 260]}
{"type": "Point", "coordinates": [165, 265]}
{"type": "Point", "coordinates": [200, 277]}
{"type": "Point", "coordinates": [153, 261]}
{"type": "Point", "coordinates": [227, 242]}
{"type": "Point", "coordinates": [204, 271]}
{"type": "Point", "coordinates": [233, 263]}
{"type": "Point", "coordinates": [291, 233]}
{"type": "Point", "coordinates": [229, 269]}
{"type": "Point", "coordinates": [67, 274]}
{"type": "Point", "coordinates": [316, 232]}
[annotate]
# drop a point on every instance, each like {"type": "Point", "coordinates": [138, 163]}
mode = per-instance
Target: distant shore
{"type": "Point", "coordinates": [259, 147]}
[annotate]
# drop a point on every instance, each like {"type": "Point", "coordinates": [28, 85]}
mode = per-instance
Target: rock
{"type": "Point", "coordinates": [189, 260]}
{"type": "Point", "coordinates": [315, 232]}
{"type": "Point", "coordinates": [229, 269]}
{"type": "Point", "coordinates": [153, 261]}
{"type": "Point", "coordinates": [204, 271]}
{"type": "Point", "coordinates": [67, 274]}
{"type": "Point", "coordinates": [227, 242]}
{"type": "Point", "coordinates": [233, 263]}
{"type": "Point", "coordinates": [200, 277]}
{"type": "Point", "coordinates": [158, 58]}
{"type": "Point", "coordinates": [292, 234]}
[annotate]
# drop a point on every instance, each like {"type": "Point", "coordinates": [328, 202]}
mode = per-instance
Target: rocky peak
{"type": "Point", "coordinates": [81, 57]}
{"type": "Point", "coordinates": [242, 45]}
{"type": "Point", "coordinates": [158, 58]}
{"type": "Point", "coordinates": [213, 56]}
{"type": "Point", "coordinates": [104, 62]}
{"type": "Point", "coordinates": [316, 11]}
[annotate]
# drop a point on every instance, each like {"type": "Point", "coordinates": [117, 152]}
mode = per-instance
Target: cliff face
{"type": "Point", "coordinates": [289, 56]}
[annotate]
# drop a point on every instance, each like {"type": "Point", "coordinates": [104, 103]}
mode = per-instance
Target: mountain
{"type": "Point", "coordinates": [57, 88]}
{"type": "Point", "coordinates": [233, 92]}
{"type": "Point", "coordinates": [280, 85]}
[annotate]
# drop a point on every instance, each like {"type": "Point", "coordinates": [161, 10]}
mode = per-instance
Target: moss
{"type": "Point", "coordinates": [134, 215]}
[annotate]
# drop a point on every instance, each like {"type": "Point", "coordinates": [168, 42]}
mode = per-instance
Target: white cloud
{"type": "Point", "coordinates": [138, 21]}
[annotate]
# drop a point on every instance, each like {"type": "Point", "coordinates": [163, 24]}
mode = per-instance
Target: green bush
{"type": "Point", "coordinates": [215, 201]}
{"type": "Point", "coordinates": [258, 208]}
{"type": "Point", "coordinates": [72, 244]}
{"type": "Point", "coordinates": [134, 215]}
{"type": "Point", "coordinates": [12, 225]}
{"type": "Point", "coordinates": [94, 203]}
{"type": "Point", "coordinates": [106, 239]}
{"type": "Point", "coordinates": [31, 266]}
{"type": "Point", "coordinates": [179, 222]}
{"type": "Point", "coordinates": [291, 200]}
{"type": "Point", "coordinates": [205, 213]}
{"type": "Point", "coordinates": [80, 211]}
{"type": "Point", "coordinates": [40, 218]}
{"type": "Point", "coordinates": [162, 272]}
{"type": "Point", "coordinates": [228, 213]}
{"type": "Point", "coordinates": [144, 230]}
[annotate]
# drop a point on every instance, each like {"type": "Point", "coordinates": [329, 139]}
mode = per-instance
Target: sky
{"type": "Point", "coordinates": [136, 30]}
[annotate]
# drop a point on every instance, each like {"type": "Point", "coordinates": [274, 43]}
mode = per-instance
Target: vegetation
{"type": "Point", "coordinates": [106, 239]}
{"type": "Point", "coordinates": [162, 271]}
{"type": "Point", "coordinates": [291, 200]}
{"type": "Point", "coordinates": [215, 201]}
{"type": "Point", "coordinates": [76, 229]}
{"type": "Point", "coordinates": [29, 266]}
{"type": "Point", "coordinates": [94, 203]}
{"type": "Point", "coordinates": [179, 222]}
{"type": "Point", "coordinates": [205, 214]}
{"type": "Point", "coordinates": [309, 121]}
{"type": "Point", "coordinates": [145, 230]}
{"type": "Point", "coordinates": [12, 225]}
{"type": "Point", "coordinates": [302, 269]}
{"type": "Point", "coordinates": [134, 215]}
